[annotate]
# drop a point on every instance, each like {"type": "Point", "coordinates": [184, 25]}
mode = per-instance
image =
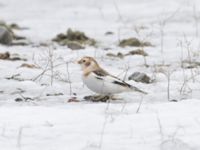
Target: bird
{"type": "Point", "coordinates": [100, 81]}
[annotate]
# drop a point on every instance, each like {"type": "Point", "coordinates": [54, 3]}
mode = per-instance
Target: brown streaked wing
{"type": "Point", "coordinates": [101, 72]}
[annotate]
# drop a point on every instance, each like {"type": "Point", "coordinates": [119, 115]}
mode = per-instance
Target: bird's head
{"type": "Point", "coordinates": [88, 63]}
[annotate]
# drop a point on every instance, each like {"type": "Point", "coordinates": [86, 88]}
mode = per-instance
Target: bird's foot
{"type": "Point", "coordinates": [101, 98]}
{"type": "Point", "coordinates": [97, 98]}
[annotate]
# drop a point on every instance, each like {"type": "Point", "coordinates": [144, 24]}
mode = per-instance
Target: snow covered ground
{"type": "Point", "coordinates": [49, 122]}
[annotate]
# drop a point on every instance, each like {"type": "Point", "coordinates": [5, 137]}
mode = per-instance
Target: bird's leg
{"type": "Point", "coordinates": [97, 98]}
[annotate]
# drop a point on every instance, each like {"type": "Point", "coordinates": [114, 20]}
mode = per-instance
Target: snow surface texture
{"type": "Point", "coordinates": [49, 122]}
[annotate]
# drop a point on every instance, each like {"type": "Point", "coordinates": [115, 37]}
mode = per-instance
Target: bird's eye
{"type": "Point", "coordinates": [83, 60]}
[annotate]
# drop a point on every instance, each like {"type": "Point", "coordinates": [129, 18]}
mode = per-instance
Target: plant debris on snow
{"type": "Point", "coordinates": [133, 52]}
{"type": "Point", "coordinates": [32, 66]}
{"type": "Point", "coordinates": [190, 64]}
{"type": "Point", "coordinates": [137, 52]}
{"type": "Point", "coordinates": [8, 56]}
{"type": "Point", "coordinates": [118, 55]}
{"type": "Point", "coordinates": [133, 42]}
{"type": "Point", "coordinates": [73, 99]}
{"type": "Point", "coordinates": [74, 39]}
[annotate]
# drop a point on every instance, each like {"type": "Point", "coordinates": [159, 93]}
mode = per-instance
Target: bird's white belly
{"type": "Point", "coordinates": [100, 86]}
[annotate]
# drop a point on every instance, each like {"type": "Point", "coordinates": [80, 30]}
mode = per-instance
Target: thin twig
{"type": "Point", "coordinates": [19, 137]}
{"type": "Point", "coordinates": [140, 104]}
{"type": "Point", "coordinates": [51, 65]}
{"type": "Point", "coordinates": [160, 128]}
{"type": "Point", "coordinates": [68, 75]}
{"type": "Point", "coordinates": [103, 131]}
{"type": "Point", "coordinates": [118, 11]}
{"type": "Point", "coordinates": [104, 124]}
{"type": "Point", "coordinates": [46, 70]}
{"type": "Point", "coordinates": [196, 21]}
{"type": "Point", "coordinates": [123, 106]}
{"type": "Point", "coordinates": [3, 131]}
{"type": "Point", "coordinates": [168, 85]}
{"type": "Point", "coordinates": [126, 71]}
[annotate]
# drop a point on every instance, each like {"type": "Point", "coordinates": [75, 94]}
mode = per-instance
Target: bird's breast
{"type": "Point", "coordinates": [101, 85]}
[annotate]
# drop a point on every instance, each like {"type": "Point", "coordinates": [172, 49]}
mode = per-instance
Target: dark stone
{"type": "Point", "coordinates": [23, 99]}
{"type": "Point", "coordinates": [174, 100]}
{"type": "Point", "coordinates": [140, 77]}
{"type": "Point", "coordinates": [109, 33]}
{"type": "Point", "coordinates": [18, 99]}
{"type": "Point", "coordinates": [6, 36]}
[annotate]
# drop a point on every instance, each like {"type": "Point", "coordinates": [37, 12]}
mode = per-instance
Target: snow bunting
{"type": "Point", "coordinates": [100, 81]}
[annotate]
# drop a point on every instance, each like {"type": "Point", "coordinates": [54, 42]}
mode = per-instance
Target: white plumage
{"type": "Point", "coordinates": [100, 81]}
{"type": "Point", "coordinates": [103, 84]}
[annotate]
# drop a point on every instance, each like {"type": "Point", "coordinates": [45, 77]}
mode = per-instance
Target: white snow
{"type": "Point", "coordinates": [51, 123]}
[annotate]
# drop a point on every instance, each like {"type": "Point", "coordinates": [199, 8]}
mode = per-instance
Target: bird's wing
{"type": "Point", "coordinates": [103, 75]}
{"type": "Point", "coordinates": [124, 84]}
{"type": "Point", "coordinates": [119, 81]}
{"type": "Point", "coordinates": [107, 78]}
{"type": "Point", "coordinates": [100, 72]}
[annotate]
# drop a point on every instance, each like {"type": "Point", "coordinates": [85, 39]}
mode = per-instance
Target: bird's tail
{"type": "Point", "coordinates": [133, 88]}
